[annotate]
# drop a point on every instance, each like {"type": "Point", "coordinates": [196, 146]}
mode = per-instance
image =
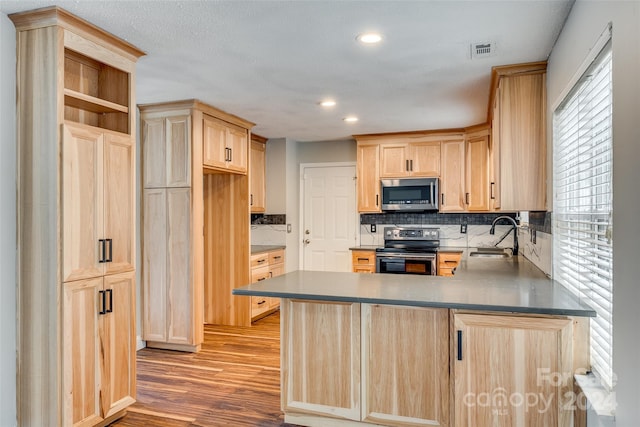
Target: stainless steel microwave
{"type": "Point", "coordinates": [409, 194]}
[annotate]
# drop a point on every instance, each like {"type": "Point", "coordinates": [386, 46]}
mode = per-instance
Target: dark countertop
{"type": "Point", "coordinates": [508, 285]}
{"type": "Point", "coordinates": [365, 248]}
{"type": "Point", "coordinates": [258, 249]}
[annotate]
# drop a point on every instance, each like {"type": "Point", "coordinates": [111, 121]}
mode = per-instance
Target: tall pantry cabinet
{"type": "Point", "coordinates": [76, 220]}
{"type": "Point", "coordinates": [172, 215]}
{"type": "Point", "coordinates": [195, 221]}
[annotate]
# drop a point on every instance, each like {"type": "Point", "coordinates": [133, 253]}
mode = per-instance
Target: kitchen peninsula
{"type": "Point", "coordinates": [497, 344]}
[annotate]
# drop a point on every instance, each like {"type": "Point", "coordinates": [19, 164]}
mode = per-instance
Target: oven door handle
{"type": "Point", "coordinates": [406, 256]}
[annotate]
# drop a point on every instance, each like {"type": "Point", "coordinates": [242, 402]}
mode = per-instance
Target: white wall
{"type": "Point", "coordinates": [276, 176]}
{"type": "Point", "coordinates": [7, 222]}
{"type": "Point", "coordinates": [586, 22]}
{"type": "Point", "coordinates": [327, 152]}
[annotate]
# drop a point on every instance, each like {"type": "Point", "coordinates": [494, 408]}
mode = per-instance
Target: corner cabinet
{"type": "Point", "coordinates": [172, 211]}
{"type": "Point", "coordinates": [76, 220]}
{"type": "Point", "coordinates": [518, 143]}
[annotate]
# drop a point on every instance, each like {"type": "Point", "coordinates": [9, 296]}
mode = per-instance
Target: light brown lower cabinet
{"type": "Point", "coordinates": [362, 363]}
{"type": "Point", "coordinates": [264, 266]}
{"type": "Point", "coordinates": [99, 348]}
{"type": "Point", "coordinates": [363, 261]}
{"type": "Point", "coordinates": [512, 370]}
{"type": "Point", "coordinates": [405, 365]}
{"type": "Point", "coordinates": [348, 364]}
{"type": "Point", "coordinates": [448, 262]}
{"type": "Point", "coordinates": [320, 360]}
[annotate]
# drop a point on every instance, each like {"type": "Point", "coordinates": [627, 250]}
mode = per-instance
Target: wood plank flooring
{"type": "Point", "coordinates": [233, 381]}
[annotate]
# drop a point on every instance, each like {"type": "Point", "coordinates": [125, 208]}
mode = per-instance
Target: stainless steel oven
{"type": "Point", "coordinates": [406, 263]}
{"type": "Point", "coordinates": [408, 251]}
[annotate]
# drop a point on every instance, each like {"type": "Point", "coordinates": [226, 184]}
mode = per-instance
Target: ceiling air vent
{"type": "Point", "coordinates": [482, 50]}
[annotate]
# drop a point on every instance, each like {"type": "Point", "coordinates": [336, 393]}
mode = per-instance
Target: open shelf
{"type": "Point", "coordinates": [95, 93]}
{"type": "Point", "coordinates": [86, 102]}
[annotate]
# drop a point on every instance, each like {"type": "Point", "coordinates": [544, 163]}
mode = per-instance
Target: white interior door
{"type": "Point", "coordinates": [329, 217]}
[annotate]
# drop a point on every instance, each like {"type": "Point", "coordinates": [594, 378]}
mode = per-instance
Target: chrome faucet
{"type": "Point", "coordinates": [515, 231]}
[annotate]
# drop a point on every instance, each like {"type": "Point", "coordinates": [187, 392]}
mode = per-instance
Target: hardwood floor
{"type": "Point", "coordinates": [233, 381]}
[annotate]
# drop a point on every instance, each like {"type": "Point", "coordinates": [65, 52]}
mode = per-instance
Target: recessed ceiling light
{"type": "Point", "coordinates": [328, 103]}
{"type": "Point", "coordinates": [350, 119]}
{"type": "Point", "coordinates": [369, 38]}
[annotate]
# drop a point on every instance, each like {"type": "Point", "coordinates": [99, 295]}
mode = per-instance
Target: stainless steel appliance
{"type": "Point", "coordinates": [409, 194]}
{"type": "Point", "coordinates": [408, 250]}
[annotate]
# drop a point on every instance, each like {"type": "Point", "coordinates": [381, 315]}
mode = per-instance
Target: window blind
{"type": "Point", "coordinates": [582, 154]}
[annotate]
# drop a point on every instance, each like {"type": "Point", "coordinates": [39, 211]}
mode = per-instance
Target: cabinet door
{"type": "Point", "coordinates": [81, 352]}
{"type": "Point", "coordinates": [321, 358]}
{"type": "Point", "coordinates": [523, 143]}
{"type": "Point", "coordinates": [477, 197]}
{"type": "Point", "coordinates": [405, 374]}
{"type": "Point", "coordinates": [179, 272]}
{"type": "Point", "coordinates": [452, 181]}
{"type": "Point", "coordinates": [257, 199]}
{"type": "Point", "coordinates": [154, 258]}
{"type": "Point", "coordinates": [394, 160]}
{"type": "Point", "coordinates": [214, 143]}
{"type": "Point", "coordinates": [425, 159]}
{"type": "Point", "coordinates": [154, 152]}
{"type": "Point", "coordinates": [178, 149]}
{"type": "Point", "coordinates": [119, 203]}
{"type": "Point", "coordinates": [237, 142]}
{"type": "Point", "coordinates": [512, 371]}
{"type": "Point", "coordinates": [118, 337]}
{"type": "Point", "coordinates": [368, 181]}
{"type": "Point", "coordinates": [82, 213]}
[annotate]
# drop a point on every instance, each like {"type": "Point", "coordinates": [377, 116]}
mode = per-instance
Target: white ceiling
{"type": "Point", "coordinates": [271, 62]}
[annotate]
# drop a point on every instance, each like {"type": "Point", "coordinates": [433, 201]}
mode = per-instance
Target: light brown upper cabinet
{"type": "Point", "coordinates": [414, 159]}
{"type": "Point", "coordinates": [225, 145]}
{"type": "Point", "coordinates": [368, 178]}
{"type": "Point", "coordinates": [452, 182]}
{"type": "Point", "coordinates": [257, 172]}
{"type": "Point", "coordinates": [518, 144]}
{"type": "Point", "coordinates": [477, 161]}
{"type": "Point", "coordinates": [77, 207]}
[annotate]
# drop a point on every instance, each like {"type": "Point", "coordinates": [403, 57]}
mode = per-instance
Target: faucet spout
{"type": "Point", "coordinates": [515, 230]}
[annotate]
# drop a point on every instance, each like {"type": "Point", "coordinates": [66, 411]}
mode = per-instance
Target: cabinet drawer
{"type": "Point", "coordinates": [364, 269]}
{"type": "Point", "coordinates": [259, 305]}
{"type": "Point", "coordinates": [447, 263]}
{"type": "Point", "coordinates": [260, 260]}
{"type": "Point", "coordinates": [363, 258]}
{"type": "Point", "coordinates": [276, 257]}
{"type": "Point", "coordinates": [258, 274]}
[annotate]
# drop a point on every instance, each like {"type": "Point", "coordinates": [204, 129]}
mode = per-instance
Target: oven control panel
{"type": "Point", "coordinates": [403, 233]}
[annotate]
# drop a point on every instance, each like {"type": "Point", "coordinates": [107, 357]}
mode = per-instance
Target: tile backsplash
{"type": "Point", "coordinates": [268, 234]}
{"type": "Point", "coordinates": [450, 235]}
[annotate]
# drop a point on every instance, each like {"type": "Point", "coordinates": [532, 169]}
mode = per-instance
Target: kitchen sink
{"type": "Point", "coordinates": [490, 253]}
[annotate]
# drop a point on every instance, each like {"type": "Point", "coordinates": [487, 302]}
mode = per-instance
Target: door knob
{"type": "Point", "coordinates": [307, 232]}
{"type": "Point", "coordinates": [307, 241]}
